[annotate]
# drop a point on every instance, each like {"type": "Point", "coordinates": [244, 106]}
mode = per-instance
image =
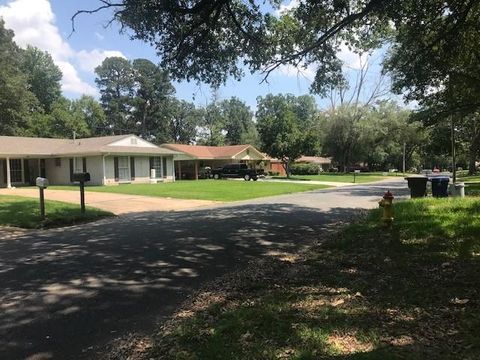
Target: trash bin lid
{"type": "Point", "coordinates": [440, 177]}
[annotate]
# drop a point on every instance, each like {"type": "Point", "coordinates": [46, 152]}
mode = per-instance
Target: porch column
{"type": "Point", "coordinates": [173, 167]}
{"type": "Point", "coordinates": [104, 178]}
{"type": "Point", "coordinates": [196, 170]}
{"type": "Point", "coordinates": [9, 180]}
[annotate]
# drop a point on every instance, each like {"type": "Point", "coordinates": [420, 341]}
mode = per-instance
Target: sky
{"type": "Point", "coordinates": [46, 24]}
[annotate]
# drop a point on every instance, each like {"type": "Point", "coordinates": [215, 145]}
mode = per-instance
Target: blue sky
{"type": "Point", "coordinates": [46, 24]}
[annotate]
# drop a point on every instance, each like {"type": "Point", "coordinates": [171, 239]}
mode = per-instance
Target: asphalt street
{"type": "Point", "coordinates": [66, 290]}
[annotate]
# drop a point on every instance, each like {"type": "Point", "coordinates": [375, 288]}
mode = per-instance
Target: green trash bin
{"type": "Point", "coordinates": [417, 186]}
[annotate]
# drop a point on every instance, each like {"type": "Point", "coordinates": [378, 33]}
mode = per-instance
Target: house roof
{"type": "Point", "coordinates": [31, 147]}
{"type": "Point", "coordinates": [212, 152]}
{"type": "Point", "coordinates": [314, 160]}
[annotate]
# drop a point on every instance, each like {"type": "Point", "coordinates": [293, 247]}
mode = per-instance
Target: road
{"type": "Point", "coordinates": [65, 290]}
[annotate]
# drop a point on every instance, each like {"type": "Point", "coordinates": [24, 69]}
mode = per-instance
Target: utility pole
{"type": "Point", "coordinates": [404, 156]}
{"type": "Point", "coordinates": [454, 160]}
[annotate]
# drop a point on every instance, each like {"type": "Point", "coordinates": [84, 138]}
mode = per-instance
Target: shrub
{"type": "Point", "coordinates": [305, 169]}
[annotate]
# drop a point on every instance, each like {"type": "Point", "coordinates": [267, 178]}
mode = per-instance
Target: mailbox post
{"type": "Point", "coordinates": [81, 178]}
{"type": "Point", "coordinates": [355, 172]}
{"type": "Point", "coordinates": [42, 184]}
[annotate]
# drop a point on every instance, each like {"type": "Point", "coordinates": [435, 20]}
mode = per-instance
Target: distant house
{"type": "Point", "coordinates": [194, 158]}
{"type": "Point", "coordinates": [108, 159]}
{"type": "Point", "coordinates": [276, 165]}
{"type": "Point", "coordinates": [322, 162]}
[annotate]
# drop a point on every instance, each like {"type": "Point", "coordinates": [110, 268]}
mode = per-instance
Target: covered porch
{"type": "Point", "coordinates": [20, 171]}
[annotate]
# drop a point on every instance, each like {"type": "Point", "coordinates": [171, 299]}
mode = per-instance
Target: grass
{"type": "Point", "coordinates": [25, 213]}
{"type": "Point", "coordinates": [472, 189]}
{"type": "Point", "coordinates": [339, 177]}
{"type": "Point", "coordinates": [217, 190]}
{"type": "Point", "coordinates": [366, 292]}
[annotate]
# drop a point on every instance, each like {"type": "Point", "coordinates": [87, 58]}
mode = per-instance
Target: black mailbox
{"type": "Point", "coordinates": [81, 177]}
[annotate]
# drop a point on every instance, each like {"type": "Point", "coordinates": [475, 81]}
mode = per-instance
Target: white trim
{"type": "Point", "coordinates": [9, 179]}
{"type": "Point", "coordinates": [104, 177]}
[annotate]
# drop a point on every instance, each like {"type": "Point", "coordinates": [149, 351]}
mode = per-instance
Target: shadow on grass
{"type": "Point", "coordinates": [25, 213]}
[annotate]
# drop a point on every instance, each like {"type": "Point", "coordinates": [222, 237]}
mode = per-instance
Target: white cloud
{"type": "Point", "coordinates": [287, 6]}
{"type": "Point", "coordinates": [89, 60]}
{"type": "Point", "coordinates": [99, 36]}
{"type": "Point", "coordinates": [33, 22]}
{"type": "Point", "coordinates": [297, 71]}
{"type": "Point", "coordinates": [351, 59]}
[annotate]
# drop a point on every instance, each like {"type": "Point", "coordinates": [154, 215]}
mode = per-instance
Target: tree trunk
{"type": "Point", "coordinates": [286, 166]}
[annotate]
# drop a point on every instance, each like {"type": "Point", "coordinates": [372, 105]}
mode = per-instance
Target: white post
{"type": "Point", "coordinates": [104, 182]}
{"type": "Point", "coordinates": [161, 167]}
{"type": "Point", "coordinates": [173, 167]}
{"type": "Point", "coordinates": [9, 180]}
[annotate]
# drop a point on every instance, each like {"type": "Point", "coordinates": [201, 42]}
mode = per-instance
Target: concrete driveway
{"type": "Point", "coordinates": [65, 291]}
{"type": "Point", "coordinates": [115, 203]}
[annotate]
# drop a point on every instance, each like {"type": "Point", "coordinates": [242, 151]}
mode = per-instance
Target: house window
{"type": "Point", "coordinates": [58, 162]}
{"type": "Point", "coordinates": [123, 168]}
{"type": "Point", "coordinates": [157, 165]}
{"type": "Point", "coordinates": [78, 165]}
{"type": "Point", "coordinates": [16, 170]}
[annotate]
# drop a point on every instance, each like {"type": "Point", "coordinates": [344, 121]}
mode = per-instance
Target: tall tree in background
{"type": "Point", "coordinates": [152, 95]}
{"type": "Point", "coordinates": [237, 120]}
{"type": "Point", "coordinates": [16, 101]}
{"type": "Point", "coordinates": [88, 109]}
{"type": "Point", "coordinates": [185, 119]}
{"type": "Point", "coordinates": [284, 134]}
{"type": "Point", "coordinates": [43, 76]}
{"type": "Point", "coordinates": [116, 83]}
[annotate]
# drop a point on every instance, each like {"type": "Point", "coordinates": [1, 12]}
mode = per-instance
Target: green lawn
{"type": "Point", "coordinates": [339, 177]}
{"type": "Point", "coordinates": [217, 190]}
{"type": "Point", "coordinates": [364, 293]}
{"type": "Point", "coordinates": [25, 213]}
{"type": "Point", "coordinates": [472, 189]}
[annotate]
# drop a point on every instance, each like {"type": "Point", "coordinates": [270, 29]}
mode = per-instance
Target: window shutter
{"type": "Point", "coordinates": [5, 171]}
{"type": "Point", "coordinates": [132, 168]}
{"type": "Point", "coordinates": [43, 172]}
{"type": "Point", "coordinates": [164, 166]}
{"type": "Point", "coordinates": [115, 168]}
{"type": "Point", "coordinates": [26, 171]}
{"type": "Point", "coordinates": [84, 161]}
{"type": "Point", "coordinates": [71, 170]}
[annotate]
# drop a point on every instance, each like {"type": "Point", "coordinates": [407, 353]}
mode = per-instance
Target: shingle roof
{"type": "Point", "coordinates": [29, 146]}
{"type": "Point", "coordinates": [210, 152]}
{"type": "Point", "coordinates": [314, 159]}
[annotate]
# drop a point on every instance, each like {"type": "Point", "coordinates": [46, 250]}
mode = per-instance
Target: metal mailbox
{"type": "Point", "coordinates": [81, 177]}
{"type": "Point", "coordinates": [42, 183]}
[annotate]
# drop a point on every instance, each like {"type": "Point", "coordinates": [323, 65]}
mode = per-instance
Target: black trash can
{"type": "Point", "coordinates": [417, 186]}
{"type": "Point", "coordinates": [440, 186]}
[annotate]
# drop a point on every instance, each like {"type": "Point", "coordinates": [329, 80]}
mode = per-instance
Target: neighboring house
{"type": "Point", "coordinates": [108, 159]}
{"type": "Point", "coordinates": [322, 162]}
{"type": "Point", "coordinates": [195, 158]}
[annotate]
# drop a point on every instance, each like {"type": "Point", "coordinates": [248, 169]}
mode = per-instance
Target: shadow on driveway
{"type": "Point", "coordinates": [66, 290]}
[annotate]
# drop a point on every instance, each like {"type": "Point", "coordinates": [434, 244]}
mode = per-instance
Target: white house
{"type": "Point", "coordinates": [109, 160]}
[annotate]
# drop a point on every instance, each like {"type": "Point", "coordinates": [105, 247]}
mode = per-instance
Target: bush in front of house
{"type": "Point", "coordinates": [305, 169]}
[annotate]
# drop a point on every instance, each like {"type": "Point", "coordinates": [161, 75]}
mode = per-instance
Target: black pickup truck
{"type": "Point", "coordinates": [235, 171]}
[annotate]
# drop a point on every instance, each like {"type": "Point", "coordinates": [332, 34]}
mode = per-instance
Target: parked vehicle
{"type": "Point", "coordinates": [235, 171]}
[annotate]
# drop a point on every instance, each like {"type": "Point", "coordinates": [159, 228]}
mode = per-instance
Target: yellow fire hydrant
{"type": "Point", "coordinates": [387, 204]}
